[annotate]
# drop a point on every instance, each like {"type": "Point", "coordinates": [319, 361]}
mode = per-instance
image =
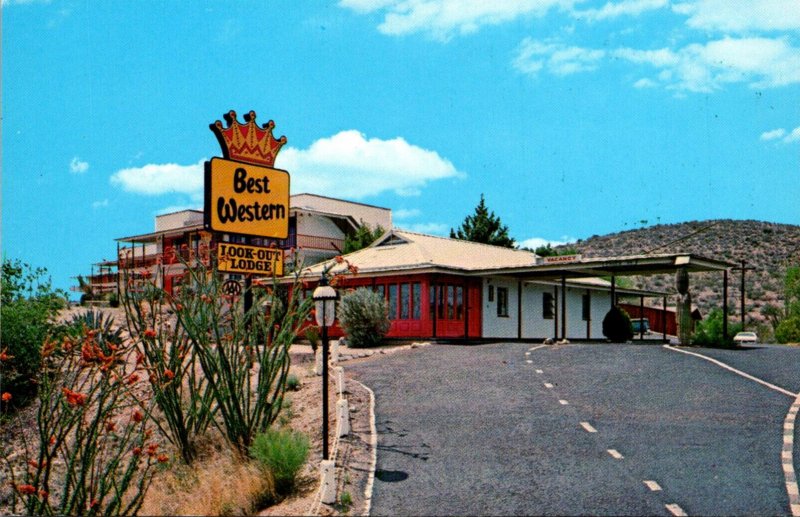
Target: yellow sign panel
{"type": "Point", "coordinates": [246, 199]}
{"type": "Point", "coordinates": [243, 259]}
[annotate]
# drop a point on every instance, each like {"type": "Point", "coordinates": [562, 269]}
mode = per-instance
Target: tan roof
{"type": "Point", "coordinates": [400, 250]}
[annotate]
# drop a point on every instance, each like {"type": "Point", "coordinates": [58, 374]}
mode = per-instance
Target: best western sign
{"type": "Point", "coordinates": [243, 193]}
{"type": "Point", "coordinates": [247, 199]}
{"type": "Point", "coordinates": [243, 259]}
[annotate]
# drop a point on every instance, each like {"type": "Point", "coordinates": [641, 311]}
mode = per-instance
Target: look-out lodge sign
{"type": "Point", "coordinates": [246, 196]}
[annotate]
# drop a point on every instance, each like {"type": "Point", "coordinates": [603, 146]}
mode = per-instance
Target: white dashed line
{"type": "Point", "coordinates": [528, 361]}
{"type": "Point", "coordinates": [536, 348]}
{"type": "Point", "coordinates": [653, 486]}
{"type": "Point", "coordinates": [588, 427]}
{"type": "Point", "coordinates": [563, 402]}
{"type": "Point", "coordinates": [539, 371]}
{"type": "Point", "coordinates": [527, 353]}
{"type": "Point", "coordinates": [615, 454]}
{"type": "Point", "coordinates": [548, 385]}
{"type": "Point", "coordinates": [675, 510]}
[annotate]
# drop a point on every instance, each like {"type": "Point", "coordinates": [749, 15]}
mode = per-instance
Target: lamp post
{"type": "Point", "coordinates": [325, 298]}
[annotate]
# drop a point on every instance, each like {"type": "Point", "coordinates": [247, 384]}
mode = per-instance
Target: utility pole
{"type": "Point", "coordinates": [744, 269]}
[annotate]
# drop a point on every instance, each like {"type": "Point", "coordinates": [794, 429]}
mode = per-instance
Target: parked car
{"type": "Point", "coordinates": [745, 337]}
{"type": "Point", "coordinates": [639, 325]}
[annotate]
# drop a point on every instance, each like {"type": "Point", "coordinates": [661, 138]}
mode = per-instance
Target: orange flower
{"type": "Point", "coordinates": [339, 259]}
{"type": "Point", "coordinates": [137, 416]}
{"type": "Point", "coordinates": [4, 355]}
{"type": "Point", "coordinates": [168, 374]}
{"type": "Point", "coordinates": [110, 426]}
{"type": "Point", "coordinates": [52, 440]}
{"type": "Point", "coordinates": [137, 451]}
{"type": "Point", "coordinates": [6, 396]}
{"type": "Point", "coordinates": [163, 458]}
{"type": "Point", "coordinates": [150, 333]}
{"type": "Point", "coordinates": [133, 378]}
{"type": "Point", "coordinates": [43, 494]}
{"type": "Point", "coordinates": [152, 449]}
{"type": "Point", "coordinates": [26, 489]}
{"type": "Point", "coordinates": [178, 307]}
{"type": "Point", "coordinates": [139, 358]}
{"type": "Point", "coordinates": [73, 397]}
{"type": "Point", "coordinates": [95, 503]}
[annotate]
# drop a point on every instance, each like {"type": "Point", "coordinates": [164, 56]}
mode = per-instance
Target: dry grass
{"type": "Point", "coordinates": [220, 482]}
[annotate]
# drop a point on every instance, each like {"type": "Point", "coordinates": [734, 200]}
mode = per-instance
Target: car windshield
{"type": "Point", "coordinates": [747, 334]}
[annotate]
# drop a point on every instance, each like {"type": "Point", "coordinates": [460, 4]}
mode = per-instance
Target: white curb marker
{"type": "Point", "coordinates": [528, 361]}
{"type": "Point", "coordinates": [563, 402]}
{"type": "Point", "coordinates": [539, 371]}
{"type": "Point", "coordinates": [653, 486]}
{"type": "Point", "coordinates": [373, 444]}
{"type": "Point", "coordinates": [675, 510]}
{"type": "Point", "coordinates": [615, 454]}
{"type": "Point", "coordinates": [548, 385]}
{"type": "Point", "coordinates": [588, 427]}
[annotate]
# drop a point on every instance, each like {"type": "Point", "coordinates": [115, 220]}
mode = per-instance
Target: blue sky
{"type": "Point", "coordinates": [573, 117]}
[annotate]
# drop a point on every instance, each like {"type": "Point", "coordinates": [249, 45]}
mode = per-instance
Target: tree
{"type": "Point", "coordinates": [483, 226]}
{"type": "Point", "coordinates": [550, 251]}
{"type": "Point", "coordinates": [363, 237]}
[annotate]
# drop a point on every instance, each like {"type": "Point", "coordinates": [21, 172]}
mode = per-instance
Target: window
{"type": "Point", "coordinates": [450, 302]}
{"type": "Point", "coordinates": [432, 301]}
{"type": "Point", "coordinates": [548, 306]}
{"type": "Point", "coordinates": [491, 293]}
{"type": "Point", "coordinates": [440, 301]}
{"type": "Point", "coordinates": [459, 302]}
{"type": "Point", "coordinates": [381, 290]}
{"type": "Point", "coordinates": [587, 307]}
{"type": "Point", "coordinates": [416, 300]}
{"type": "Point", "coordinates": [405, 297]}
{"type": "Point", "coordinates": [502, 302]}
{"type": "Point", "coordinates": [392, 301]}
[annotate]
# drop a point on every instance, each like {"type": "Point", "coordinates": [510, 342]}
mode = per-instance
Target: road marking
{"type": "Point", "coordinates": [539, 371]}
{"type": "Point", "coordinates": [675, 510]}
{"type": "Point", "coordinates": [734, 370]}
{"type": "Point", "coordinates": [786, 458]}
{"type": "Point", "coordinates": [537, 347]}
{"type": "Point", "coordinates": [588, 427]}
{"type": "Point", "coordinates": [788, 429]}
{"type": "Point", "coordinates": [527, 353]}
{"type": "Point", "coordinates": [528, 361]}
{"type": "Point", "coordinates": [615, 454]}
{"type": "Point", "coordinates": [563, 402]}
{"type": "Point", "coordinates": [653, 486]}
{"type": "Point", "coordinates": [548, 385]}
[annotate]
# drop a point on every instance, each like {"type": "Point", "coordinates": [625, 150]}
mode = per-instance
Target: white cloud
{"type": "Point", "coordinates": [100, 204]}
{"type": "Point", "coordinates": [156, 179]}
{"type": "Point", "coordinates": [758, 62]}
{"type": "Point", "coordinates": [406, 213]}
{"type": "Point", "coordinates": [444, 18]}
{"type": "Point", "coordinates": [431, 228]}
{"type": "Point", "coordinates": [645, 83]}
{"type": "Point", "coordinates": [534, 56]}
{"type": "Point", "coordinates": [351, 166]}
{"type": "Point", "coordinates": [794, 136]}
{"type": "Point", "coordinates": [535, 242]}
{"type": "Point", "coordinates": [623, 8]}
{"type": "Point", "coordinates": [741, 16]}
{"type": "Point", "coordinates": [773, 135]}
{"type": "Point", "coordinates": [77, 166]}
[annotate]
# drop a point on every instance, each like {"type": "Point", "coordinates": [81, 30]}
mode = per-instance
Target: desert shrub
{"type": "Point", "coordinates": [28, 307]}
{"type": "Point", "coordinates": [281, 452]}
{"type": "Point", "coordinates": [346, 500]}
{"type": "Point", "coordinates": [312, 335]}
{"type": "Point", "coordinates": [292, 382]}
{"type": "Point", "coordinates": [788, 330]}
{"type": "Point", "coordinates": [363, 317]}
{"type": "Point", "coordinates": [617, 325]}
{"type": "Point", "coordinates": [708, 331]}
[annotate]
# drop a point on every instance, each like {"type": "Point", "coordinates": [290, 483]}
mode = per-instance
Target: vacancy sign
{"type": "Point", "coordinates": [247, 199]}
{"type": "Point", "coordinates": [243, 259]}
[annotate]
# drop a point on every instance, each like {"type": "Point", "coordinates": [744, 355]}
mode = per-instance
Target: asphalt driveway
{"type": "Point", "coordinates": [578, 429]}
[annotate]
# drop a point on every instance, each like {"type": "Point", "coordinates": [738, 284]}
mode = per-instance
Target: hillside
{"type": "Point", "coordinates": [768, 247]}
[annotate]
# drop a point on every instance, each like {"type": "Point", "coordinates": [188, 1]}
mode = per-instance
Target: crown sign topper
{"type": "Point", "coordinates": [247, 142]}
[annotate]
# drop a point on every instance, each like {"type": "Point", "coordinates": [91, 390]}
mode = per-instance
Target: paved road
{"type": "Point", "coordinates": [490, 430]}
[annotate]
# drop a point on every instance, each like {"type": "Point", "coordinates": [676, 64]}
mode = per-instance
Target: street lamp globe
{"type": "Point", "coordinates": [325, 298]}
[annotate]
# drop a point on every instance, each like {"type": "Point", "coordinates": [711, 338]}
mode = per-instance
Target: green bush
{"type": "Point", "coordinates": [28, 307]}
{"type": "Point", "coordinates": [708, 331]}
{"type": "Point", "coordinates": [292, 382]}
{"type": "Point", "coordinates": [788, 330]}
{"type": "Point", "coordinates": [363, 317]}
{"type": "Point", "coordinates": [617, 325]}
{"type": "Point", "coordinates": [282, 452]}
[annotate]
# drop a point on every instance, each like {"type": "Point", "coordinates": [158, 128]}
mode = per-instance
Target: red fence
{"type": "Point", "coordinates": [657, 318]}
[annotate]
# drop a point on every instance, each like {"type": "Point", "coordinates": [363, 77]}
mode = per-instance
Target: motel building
{"type": "Point", "coordinates": [436, 288]}
{"type": "Point", "coordinates": [448, 289]}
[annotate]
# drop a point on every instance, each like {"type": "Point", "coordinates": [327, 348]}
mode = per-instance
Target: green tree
{"type": "Point", "coordinates": [550, 251]}
{"type": "Point", "coordinates": [363, 237]}
{"type": "Point", "coordinates": [483, 226]}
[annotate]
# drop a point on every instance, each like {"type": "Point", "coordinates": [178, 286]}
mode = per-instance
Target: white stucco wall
{"type": "Point", "coordinates": [534, 325]}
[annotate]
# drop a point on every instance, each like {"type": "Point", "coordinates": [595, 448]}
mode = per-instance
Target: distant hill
{"type": "Point", "coordinates": [769, 247]}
